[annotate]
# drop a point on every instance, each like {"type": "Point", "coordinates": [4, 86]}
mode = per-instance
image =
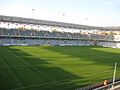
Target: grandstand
{"type": "Point", "coordinates": [24, 31]}
{"type": "Point", "coordinates": [36, 68]}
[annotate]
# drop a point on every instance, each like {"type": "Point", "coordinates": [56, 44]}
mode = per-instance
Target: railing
{"type": "Point", "coordinates": [101, 86]}
{"type": "Point", "coordinates": [109, 86]}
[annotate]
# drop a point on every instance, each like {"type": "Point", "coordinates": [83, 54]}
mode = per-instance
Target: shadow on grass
{"type": "Point", "coordinates": [98, 57]}
{"type": "Point", "coordinates": [42, 73]}
{"type": "Point", "coordinates": [91, 59]}
{"type": "Point", "coordinates": [32, 73]}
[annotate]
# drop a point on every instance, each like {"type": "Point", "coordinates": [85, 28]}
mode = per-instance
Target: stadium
{"type": "Point", "coordinates": [48, 55]}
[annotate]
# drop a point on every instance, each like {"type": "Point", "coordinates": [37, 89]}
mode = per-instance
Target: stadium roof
{"type": "Point", "coordinates": [48, 23]}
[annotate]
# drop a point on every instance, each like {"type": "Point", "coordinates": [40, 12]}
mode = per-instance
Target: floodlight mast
{"type": "Point", "coordinates": [114, 74]}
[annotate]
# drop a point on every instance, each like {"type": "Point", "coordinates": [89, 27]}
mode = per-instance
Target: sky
{"type": "Point", "coordinates": [85, 12]}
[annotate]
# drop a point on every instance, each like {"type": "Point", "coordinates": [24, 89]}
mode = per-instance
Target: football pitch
{"type": "Point", "coordinates": [56, 67]}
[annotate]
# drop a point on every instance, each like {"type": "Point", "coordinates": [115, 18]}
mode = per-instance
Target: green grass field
{"type": "Point", "coordinates": [55, 68]}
